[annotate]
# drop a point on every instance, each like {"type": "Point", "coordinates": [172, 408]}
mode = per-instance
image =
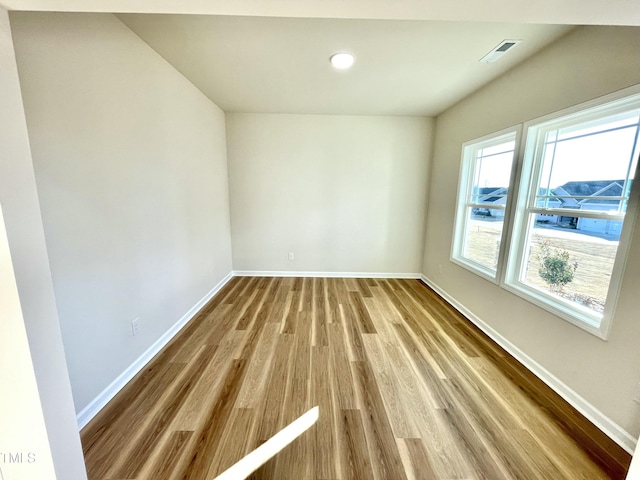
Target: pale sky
{"type": "Point", "coordinates": [598, 157]}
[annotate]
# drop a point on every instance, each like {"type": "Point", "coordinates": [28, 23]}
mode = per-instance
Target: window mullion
{"type": "Point", "coordinates": [634, 152]}
{"type": "Point", "coordinates": [486, 206]}
{"type": "Point", "coordinates": [567, 212]}
{"type": "Point", "coordinates": [553, 159]}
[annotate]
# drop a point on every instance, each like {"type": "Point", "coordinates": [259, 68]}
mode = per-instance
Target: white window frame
{"type": "Point", "coordinates": [465, 186]}
{"type": "Point", "coordinates": [531, 164]}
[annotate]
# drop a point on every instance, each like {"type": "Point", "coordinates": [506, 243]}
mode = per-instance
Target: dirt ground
{"type": "Point", "coordinates": [595, 257]}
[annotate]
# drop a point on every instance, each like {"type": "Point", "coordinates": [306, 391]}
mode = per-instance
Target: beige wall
{"type": "Point", "coordinates": [590, 62]}
{"type": "Point", "coordinates": [344, 193]}
{"type": "Point", "coordinates": [43, 358]}
{"type": "Point", "coordinates": [130, 163]}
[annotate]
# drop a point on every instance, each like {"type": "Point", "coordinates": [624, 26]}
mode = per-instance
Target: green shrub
{"type": "Point", "coordinates": [556, 268]}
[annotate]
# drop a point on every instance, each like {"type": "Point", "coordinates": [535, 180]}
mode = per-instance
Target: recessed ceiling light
{"type": "Point", "coordinates": [342, 60]}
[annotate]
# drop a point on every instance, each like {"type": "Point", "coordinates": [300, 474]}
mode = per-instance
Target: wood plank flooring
{"type": "Point", "coordinates": [407, 389]}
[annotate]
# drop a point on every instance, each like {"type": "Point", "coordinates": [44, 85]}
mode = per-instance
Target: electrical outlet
{"type": "Point", "coordinates": [135, 327]}
{"type": "Point", "coordinates": [292, 256]}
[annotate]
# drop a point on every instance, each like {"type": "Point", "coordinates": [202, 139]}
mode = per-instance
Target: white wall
{"type": "Point", "coordinates": [589, 62]}
{"type": "Point", "coordinates": [130, 163]}
{"type": "Point", "coordinates": [22, 408]}
{"type": "Point", "coordinates": [344, 193]}
{"type": "Point", "coordinates": [634, 468]}
{"type": "Point", "coordinates": [23, 433]}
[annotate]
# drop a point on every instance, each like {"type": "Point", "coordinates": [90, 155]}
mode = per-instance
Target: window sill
{"type": "Point", "coordinates": [580, 317]}
{"type": "Point", "coordinates": [476, 268]}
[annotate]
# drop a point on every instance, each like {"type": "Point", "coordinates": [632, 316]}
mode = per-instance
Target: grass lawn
{"type": "Point", "coordinates": [595, 257]}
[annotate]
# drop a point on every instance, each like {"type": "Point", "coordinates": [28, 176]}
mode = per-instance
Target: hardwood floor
{"type": "Point", "coordinates": [407, 389]}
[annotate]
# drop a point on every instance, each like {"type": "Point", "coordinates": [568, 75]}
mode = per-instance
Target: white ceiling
{"type": "Point", "coordinates": [414, 57]}
{"type": "Point", "coordinates": [570, 12]}
{"type": "Point", "coordinates": [281, 65]}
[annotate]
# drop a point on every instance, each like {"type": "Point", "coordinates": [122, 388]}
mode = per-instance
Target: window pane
{"type": "Point", "coordinates": [494, 170]}
{"type": "Point", "coordinates": [498, 148]}
{"type": "Point", "coordinates": [586, 128]}
{"type": "Point", "coordinates": [588, 162]}
{"type": "Point", "coordinates": [482, 201]}
{"type": "Point", "coordinates": [602, 156]}
{"type": "Point", "coordinates": [572, 265]}
{"type": "Point", "coordinates": [482, 239]}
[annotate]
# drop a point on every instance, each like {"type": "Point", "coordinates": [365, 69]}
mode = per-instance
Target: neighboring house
{"type": "Point", "coordinates": [600, 195]}
{"type": "Point", "coordinates": [577, 195]}
{"type": "Point", "coordinates": [611, 189]}
{"type": "Point", "coordinates": [491, 196]}
{"type": "Point", "coordinates": [570, 222]}
{"type": "Point", "coordinates": [551, 203]}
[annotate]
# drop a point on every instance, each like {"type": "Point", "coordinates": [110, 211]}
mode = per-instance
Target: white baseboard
{"type": "Point", "coordinates": [114, 387]}
{"type": "Point", "coordinates": [595, 416]}
{"type": "Point", "coordinates": [251, 273]}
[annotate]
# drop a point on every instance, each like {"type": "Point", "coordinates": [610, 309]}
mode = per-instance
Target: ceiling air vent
{"type": "Point", "coordinates": [499, 51]}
